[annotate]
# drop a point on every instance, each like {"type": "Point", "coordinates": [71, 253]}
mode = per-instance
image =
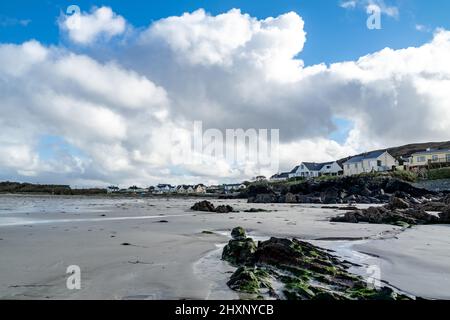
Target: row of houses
{"type": "Point", "coordinates": [310, 170]}
{"type": "Point", "coordinates": [180, 189]}
{"type": "Point", "coordinates": [376, 161]}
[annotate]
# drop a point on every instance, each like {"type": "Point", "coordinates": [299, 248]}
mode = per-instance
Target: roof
{"type": "Point", "coordinates": [163, 185]}
{"type": "Point", "coordinates": [281, 175]}
{"type": "Point", "coordinates": [365, 156]}
{"type": "Point", "coordinates": [295, 169]}
{"type": "Point", "coordinates": [432, 151]}
{"type": "Point", "coordinates": [313, 166]}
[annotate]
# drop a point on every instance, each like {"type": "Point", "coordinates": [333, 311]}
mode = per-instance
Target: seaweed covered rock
{"type": "Point", "coordinates": [238, 233]}
{"type": "Point", "coordinates": [300, 270]}
{"type": "Point", "coordinates": [239, 250]}
{"type": "Point", "coordinates": [249, 280]}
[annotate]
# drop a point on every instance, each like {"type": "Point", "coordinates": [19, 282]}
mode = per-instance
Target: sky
{"type": "Point", "coordinates": [98, 95]}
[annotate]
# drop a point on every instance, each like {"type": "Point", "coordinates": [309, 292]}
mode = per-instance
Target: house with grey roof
{"type": "Point", "coordinates": [283, 176]}
{"type": "Point", "coordinates": [376, 161]}
{"type": "Point", "coordinates": [313, 169]}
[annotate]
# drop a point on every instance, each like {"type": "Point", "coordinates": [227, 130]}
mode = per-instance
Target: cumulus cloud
{"type": "Point", "coordinates": [121, 109]}
{"type": "Point", "coordinates": [86, 28]}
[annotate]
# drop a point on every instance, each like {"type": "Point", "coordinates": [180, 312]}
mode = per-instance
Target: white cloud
{"type": "Point", "coordinates": [348, 4]}
{"type": "Point", "coordinates": [371, 6]}
{"type": "Point", "coordinates": [86, 28]}
{"type": "Point", "coordinates": [230, 71]}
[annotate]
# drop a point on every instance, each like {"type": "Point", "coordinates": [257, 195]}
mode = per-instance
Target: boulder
{"type": "Point", "coordinates": [224, 209]}
{"type": "Point", "coordinates": [263, 198]}
{"type": "Point", "coordinates": [290, 198]}
{"type": "Point", "coordinates": [444, 216]}
{"type": "Point", "coordinates": [434, 206]}
{"type": "Point", "coordinates": [245, 280]}
{"type": "Point", "coordinates": [205, 206]}
{"type": "Point", "coordinates": [239, 252]}
{"type": "Point", "coordinates": [398, 203]}
{"type": "Point", "coordinates": [238, 233]}
{"type": "Point", "coordinates": [446, 199]}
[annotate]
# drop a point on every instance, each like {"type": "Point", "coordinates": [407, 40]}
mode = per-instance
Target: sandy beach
{"type": "Point", "coordinates": [168, 254]}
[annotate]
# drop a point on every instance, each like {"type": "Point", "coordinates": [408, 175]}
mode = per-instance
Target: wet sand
{"type": "Point", "coordinates": [42, 235]}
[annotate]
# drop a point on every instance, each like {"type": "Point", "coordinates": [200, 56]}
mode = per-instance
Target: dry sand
{"type": "Point", "coordinates": [41, 236]}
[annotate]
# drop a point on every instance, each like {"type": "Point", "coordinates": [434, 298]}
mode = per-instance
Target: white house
{"type": "Point", "coordinates": [164, 188]}
{"type": "Point", "coordinates": [200, 188]}
{"type": "Point", "coordinates": [233, 187]}
{"type": "Point", "coordinates": [112, 189]}
{"type": "Point", "coordinates": [376, 161]}
{"type": "Point", "coordinates": [312, 169]}
{"type": "Point", "coordinates": [185, 189]}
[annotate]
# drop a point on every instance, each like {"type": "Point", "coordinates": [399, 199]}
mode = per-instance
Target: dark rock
{"type": "Point", "coordinates": [394, 185]}
{"type": "Point", "coordinates": [290, 198]}
{"type": "Point", "coordinates": [239, 252]}
{"type": "Point", "coordinates": [444, 216]}
{"type": "Point", "coordinates": [398, 203]}
{"type": "Point", "coordinates": [434, 206]}
{"type": "Point", "coordinates": [224, 209]}
{"type": "Point", "coordinates": [446, 199]}
{"type": "Point", "coordinates": [248, 280]}
{"type": "Point", "coordinates": [205, 206]}
{"type": "Point", "coordinates": [238, 233]}
{"type": "Point", "coordinates": [256, 210]}
{"type": "Point", "coordinates": [263, 198]}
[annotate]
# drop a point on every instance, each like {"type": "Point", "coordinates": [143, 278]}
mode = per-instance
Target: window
{"type": "Point", "coordinates": [447, 157]}
{"type": "Point", "coordinates": [379, 164]}
{"type": "Point", "coordinates": [348, 167]}
{"type": "Point", "coordinates": [421, 159]}
{"type": "Point", "coordinates": [435, 157]}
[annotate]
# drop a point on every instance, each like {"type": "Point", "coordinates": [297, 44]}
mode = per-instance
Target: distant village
{"type": "Point", "coordinates": [376, 161]}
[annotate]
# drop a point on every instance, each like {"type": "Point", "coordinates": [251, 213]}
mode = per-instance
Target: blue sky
{"type": "Point", "coordinates": [334, 34]}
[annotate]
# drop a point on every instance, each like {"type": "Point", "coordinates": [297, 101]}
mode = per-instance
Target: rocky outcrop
{"type": "Point", "coordinates": [401, 212]}
{"type": "Point", "coordinates": [207, 206]}
{"type": "Point", "coordinates": [300, 270]}
{"type": "Point", "coordinates": [354, 189]}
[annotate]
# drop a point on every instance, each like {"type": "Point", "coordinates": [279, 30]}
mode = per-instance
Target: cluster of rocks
{"type": "Point", "coordinates": [300, 270]}
{"type": "Point", "coordinates": [207, 206]}
{"type": "Point", "coordinates": [403, 210]}
{"type": "Point", "coordinates": [353, 189]}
